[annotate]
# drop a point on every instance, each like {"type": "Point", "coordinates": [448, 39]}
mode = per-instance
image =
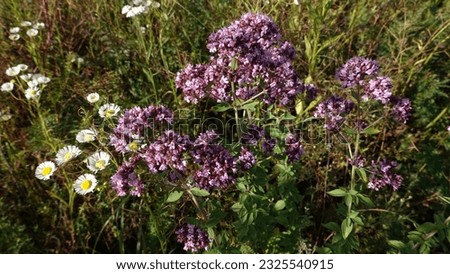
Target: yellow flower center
{"type": "Point", "coordinates": [88, 137]}
{"type": "Point", "coordinates": [100, 164]}
{"type": "Point", "coordinates": [67, 156]}
{"type": "Point", "coordinates": [133, 146]}
{"type": "Point", "coordinates": [109, 113]}
{"type": "Point", "coordinates": [86, 184]}
{"type": "Point", "coordinates": [46, 170]}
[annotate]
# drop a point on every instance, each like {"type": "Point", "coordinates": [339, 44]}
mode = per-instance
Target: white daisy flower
{"type": "Point", "coordinates": [66, 154]}
{"type": "Point", "coordinates": [8, 86]}
{"type": "Point", "coordinates": [32, 32]}
{"type": "Point", "coordinates": [4, 116]}
{"type": "Point", "coordinates": [14, 30]}
{"type": "Point", "coordinates": [22, 67]}
{"type": "Point", "coordinates": [85, 184]}
{"type": "Point", "coordinates": [39, 25]}
{"type": "Point", "coordinates": [26, 24]}
{"type": "Point", "coordinates": [126, 9]}
{"type": "Point", "coordinates": [98, 161]}
{"type": "Point", "coordinates": [86, 136]}
{"type": "Point", "coordinates": [13, 71]}
{"type": "Point", "coordinates": [14, 37]}
{"type": "Point", "coordinates": [43, 80]}
{"type": "Point", "coordinates": [26, 77]}
{"type": "Point", "coordinates": [108, 110]}
{"type": "Point", "coordinates": [45, 170]}
{"type": "Point", "coordinates": [92, 97]}
{"type": "Point", "coordinates": [33, 84]}
{"type": "Point", "coordinates": [32, 93]}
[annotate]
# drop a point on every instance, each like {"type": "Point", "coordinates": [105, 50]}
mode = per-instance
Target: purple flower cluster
{"type": "Point", "coordinates": [363, 72]}
{"type": "Point", "coordinates": [310, 91]}
{"type": "Point", "coordinates": [246, 159]}
{"type": "Point", "coordinates": [248, 56]}
{"type": "Point", "coordinates": [167, 152]}
{"type": "Point", "coordinates": [378, 89]}
{"type": "Point", "coordinates": [126, 181]}
{"type": "Point", "coordinates": [193, 238]}
{"type": "Point", "coordinates": [382, 175]}
{"type": "Point", "coordinates": [294, 149]}
{"type": "Point", "coordinates": [357, 161]}
{"type": "Point", "coordinates": [268, 145]}
{"type": "Point", "coordinates": [355, 70]}
{"type": "Point", "coordinates": [253, 134]}
{"type": "Point", "coordinates": [332, 110]}
{"type": "Point", "coordinates": [132, 125]}
{"type": "Point", "coordinates": [217, 167]}
{"type": "Point", "coordinates": [401, 109]}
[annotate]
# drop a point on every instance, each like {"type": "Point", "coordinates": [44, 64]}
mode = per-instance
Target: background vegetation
{"type": "Point", "coordinates": [89, 46]}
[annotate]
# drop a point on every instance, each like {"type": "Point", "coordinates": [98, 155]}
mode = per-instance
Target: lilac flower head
{"type": "Point", "coordinates": [193, 238]}
{"type": "Point", "coordinates": [354, 71]}
{"type": "Point", "coordinates": [378, 89]}
{"type": "Point", "coordinates": [357, 161]}
{"type": "Point", "coordinates": [192, 81]}
{"type": "Point", "coordinates": [167, 152]}
{"type": "Point", "coordinates": [126, 181]}
{"type": "Point", "coordinates": [310, 91]}
{"type": "Point", "coordinates": [332, 110]}
{"type": "Point", "coordinates": [268, 145]}
{"type": "Point", "coordinates": [246, 159]}
{"type": "Point", "coordinates": [294, 149]}
{"type": "Point", "coordinates": [251, 32]}
{"type": "Point", "coordinates": [217, 168]}
{"type": "Point", "coordinates": [253, 134]}
{"type": "Point", "coordinates": [383, 175]}
{"type": "Point", "coordinates": [401, 109]}
{"type": "Point", "coordinates": [249, 56]}
{"type": "Point", "coordinates": [135, 123]}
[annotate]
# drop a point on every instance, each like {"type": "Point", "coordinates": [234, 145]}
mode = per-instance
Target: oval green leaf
{"type": "Point", "coordinates": [174, 196]}
{"type": "Point", "coordinates": [280, 205]}
{"type": "Point", "coordinates": [337, 193]}
{"type": "Point", "coordinates": [199, 192]}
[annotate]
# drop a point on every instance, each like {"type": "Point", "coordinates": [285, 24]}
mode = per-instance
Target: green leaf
{"type": "Point", "coordinates": [288, 116]}
{"type": "Point", "coordinates": [358, 221]}
{"type": "Point", "coordinates": [241, 187]}
{"type": "Point", "coordinates": [221, 107]}
{"type": "Point", "coordinates": [362, 174]}
{"type": "Point", "coordinates": [280, 205]}
{"type": "Point", "coordinates": [366, 200]}
{"type": "Point", "coordinates": [332, 226]}
{"type": "Point", "coordinates": [337, 192]}
{"type": "Point", "coordinates": [236, 207]}
{"type": "Point", "coordinates": [349, 131]}
{"type": "Point", "coordinates": [250, 106]}
{"type": "Point", "coordinates": [299, 107]}
{"type": "Point", "coordinates": [427, 227]}
{"type": "Point", "coordinates": [346, 227]}
{"type": "Point", "coordinates": [174, 196]}
{"type": "Point", "coordinates": [370, 131]}
{"type": "Point", "coordinates": [348, 199]}
{"type": "Point", "coordinates": [199, 192]}
{"type": "Point", "coordinates": [397, 244]}
{"type": "Point", "coordinates": [308, 48]}
{"type": "Point", "coordinates": [211, 233]}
